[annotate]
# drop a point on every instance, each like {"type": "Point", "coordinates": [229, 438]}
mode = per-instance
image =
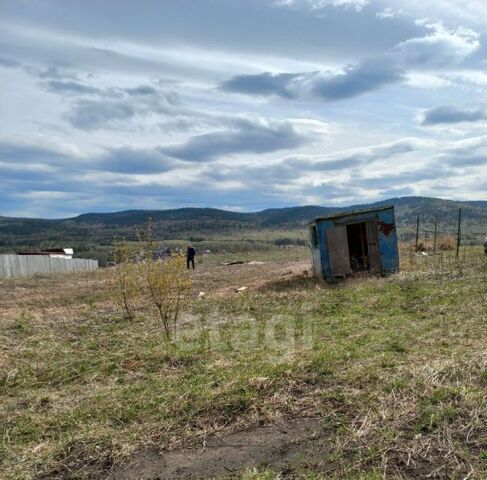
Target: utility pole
{"type": "Point", "coordinates": [436, 231]}
{"type": "Point", "coordinates": [417, 233]}
{"type": "Point", "coordinates": [459, 231]}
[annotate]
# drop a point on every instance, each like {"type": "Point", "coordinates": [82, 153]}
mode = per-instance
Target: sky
{"type": "Point", "coordinates": [112, 105]}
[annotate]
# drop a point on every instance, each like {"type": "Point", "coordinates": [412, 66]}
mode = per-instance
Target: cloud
{"type": "Point", "coordinates": [9, 63]}
{"type": "Point", "coordinates": [131, 160]}
{"type": "Point", "coordinates": [389, 12]}
{"type": "Point", "coordinates": [294, 167]}
{"type": "Point", "coordinates": [266, 83]}
{"type": "Point", "coordinates": [354, 80]}
{"type": "Point", "coordinates": [451, 115]}
{"type": "Point", "coordinates": [99, 123]}
{"type": "Point", "coordinates": [70, 88]}
{"type": "Point", "coordinates": [471, 11]}
{"type": "Point", "coordinates": [45, 157]}
{"type": "Point", "coordinates": [95, 114]}
{"type": "Point", "coordinates": [110, 178]}
{"type": "Point", "coordinates": [314, 5]}
{"type": "Point", "coordinates": [106, 113]}
{"type": "Point", "coordinates": [96, 108]}
{"type": "Point", "coordinates": [142, 90]}
{"type": "Point", "coordinates": [37, 150]}
{"type": "Point", "coordinates": [55, 72]}
{"type": "Point", "coordinates": [438, 49]}
{"type": "Point", "coordinates": [471, 152]}
{"type": "Point", "coordinates": [242, 136]}
{"type": "Point", "coordinates": [358, 156]}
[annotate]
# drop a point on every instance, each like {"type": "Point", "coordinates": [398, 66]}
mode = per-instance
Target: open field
{"type": "Point", "coordinates": [372, 378]}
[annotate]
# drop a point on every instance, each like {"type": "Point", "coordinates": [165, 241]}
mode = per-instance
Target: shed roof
{"type": "Point", "coordinates": [351, 213]}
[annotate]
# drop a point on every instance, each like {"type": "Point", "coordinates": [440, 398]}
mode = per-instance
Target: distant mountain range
{"type": "Point", "coordinates": [100, 228]}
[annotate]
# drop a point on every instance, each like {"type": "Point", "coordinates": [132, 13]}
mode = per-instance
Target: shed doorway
{"type": "Point", "coordinates": [354, 248]}
{"type": "Point", "coordinates": [358, 247]}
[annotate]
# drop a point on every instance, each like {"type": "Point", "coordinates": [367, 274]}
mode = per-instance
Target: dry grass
{"type": "Point", "coordinates": [394, 368]}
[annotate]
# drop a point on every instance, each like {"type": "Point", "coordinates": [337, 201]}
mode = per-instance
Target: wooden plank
{"type": "Point", "coordinates": [338, 252]}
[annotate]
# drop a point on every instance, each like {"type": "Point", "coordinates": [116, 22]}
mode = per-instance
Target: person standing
{"type": "Point", "coordinates": [190, 253]}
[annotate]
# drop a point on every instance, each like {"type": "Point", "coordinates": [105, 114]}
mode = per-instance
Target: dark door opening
{"type": "Point", "coordinates": [358, 247]}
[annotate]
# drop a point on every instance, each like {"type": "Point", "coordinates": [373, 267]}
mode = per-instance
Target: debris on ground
{"type": "Point", "coordinates": [241, 289]}
{"type": "Point", "coordinates": [241, 262]}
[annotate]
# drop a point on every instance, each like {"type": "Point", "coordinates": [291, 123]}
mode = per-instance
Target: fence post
{"type": "Point", "coordinates": [458, 232]}
{"type": "Point", "coordinates": [417, 233]}
{"type": "Point", "coordinates": [434, 239]}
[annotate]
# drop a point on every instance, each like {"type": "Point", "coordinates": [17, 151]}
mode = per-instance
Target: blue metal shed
{"type": "Point", "coordinates": [351, 242]}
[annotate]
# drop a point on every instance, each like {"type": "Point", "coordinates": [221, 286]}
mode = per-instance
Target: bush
{"type": "Point", "coordinates": [162, 283]}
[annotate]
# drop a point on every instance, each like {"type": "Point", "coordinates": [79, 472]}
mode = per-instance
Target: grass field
{"type": "Point", "coordinates": [372, 378]}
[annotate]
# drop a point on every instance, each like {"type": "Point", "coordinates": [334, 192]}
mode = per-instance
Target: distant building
{"type": "Point", "coordinates": [52, 260]}
{"type": "Point", "coordinates": [352, 242]}
{"type": "Point", "coordinates": [52, 252]}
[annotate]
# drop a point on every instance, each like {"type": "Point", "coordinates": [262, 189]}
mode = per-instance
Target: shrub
{"type": "Point", "coordinates": [124, 278]}
{"type": "Point", "coordinates": [162, 283]}
{"type": "Point", "coordinates": [166, 283]}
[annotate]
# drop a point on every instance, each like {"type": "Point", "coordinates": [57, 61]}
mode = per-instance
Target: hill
{"type": "Point", "coordinates": [100, 228]}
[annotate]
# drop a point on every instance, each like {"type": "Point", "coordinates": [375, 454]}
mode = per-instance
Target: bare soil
{"type": "Point", "coordinates": [292, 444]}
{"type": "Point", "coordinates": [221, 280]}
{"type": "Point", "coordinates": [65, 294]}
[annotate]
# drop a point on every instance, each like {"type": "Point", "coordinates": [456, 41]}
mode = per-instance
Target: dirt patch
{"type": "Point", "coordinates": [55, 296]}
{"type": "Point", "coordinates": [289, 445]}
{"type": "Point", "coordinates": [222, 280]}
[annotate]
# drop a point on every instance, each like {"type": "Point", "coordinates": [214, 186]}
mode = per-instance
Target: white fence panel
{"type": "Point", "coordinates": [26, 265]}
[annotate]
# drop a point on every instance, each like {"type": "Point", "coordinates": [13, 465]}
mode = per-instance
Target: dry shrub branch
{"type": "Point", "coordinates": [161, 284]}
{"type": "Point", "coordinates": [123, 279]}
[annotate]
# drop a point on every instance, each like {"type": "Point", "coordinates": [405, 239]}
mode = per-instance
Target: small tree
{"type": "Point", "coordinates": [166, 283]}
{"type": "Point", "coordinates": [124, 279]}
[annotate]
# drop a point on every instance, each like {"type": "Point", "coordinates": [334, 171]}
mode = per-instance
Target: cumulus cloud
{"type": "Point", "coordinates": [451, 115]}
